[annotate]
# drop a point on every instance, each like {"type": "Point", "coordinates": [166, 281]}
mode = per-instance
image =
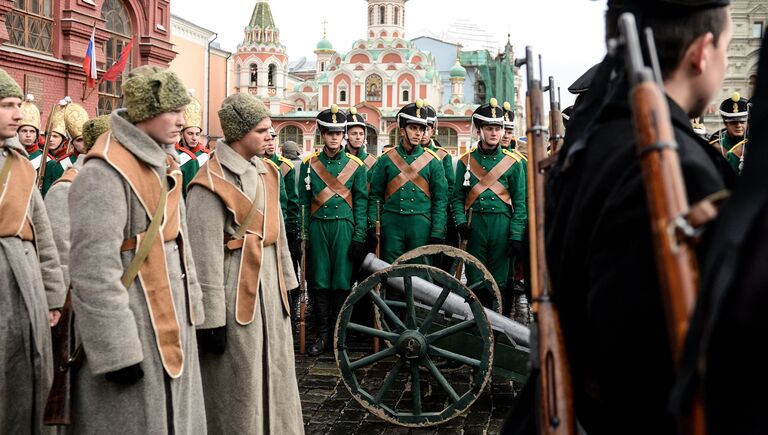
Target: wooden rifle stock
{"type": "Point", "coordinates": [377, 325]}
{"type": "Point", "coordinates": [667, 201]}
{"type": "Point", "coordinates": [58, 409]}
{"type": "Point", "coordinates": [303, 290]}
{"type": "Point", "coordinates": [555, 395]}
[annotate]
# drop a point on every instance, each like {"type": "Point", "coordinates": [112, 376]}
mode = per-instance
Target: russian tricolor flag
{"type": "Point", "coordinates": [89, 62]}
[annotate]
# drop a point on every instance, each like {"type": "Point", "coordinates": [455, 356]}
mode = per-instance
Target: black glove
{"type": "Point", "coordinates": [464, 231]}
{"type": "Point", "coordinates": [212, 340]}
{"type": "Point", "coordinates": [126, 376]}
{"type": "Point", "coordinates": [514, 248]}
{"type": "Point", "coordinates": [371, 240]}
{"type": "Point", "coordinates": [356, 251]}
{"type": "Point", "coordinates": [436, 241]}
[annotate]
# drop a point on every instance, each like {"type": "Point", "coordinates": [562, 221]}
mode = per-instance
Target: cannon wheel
{"type": "Point", "coordinates": [411, 360]}
{"type": "Point", "coordinates": [459, 258]}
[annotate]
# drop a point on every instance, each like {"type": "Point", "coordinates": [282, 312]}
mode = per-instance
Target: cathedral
{"type": "Point", "coordinates": [378, 74]}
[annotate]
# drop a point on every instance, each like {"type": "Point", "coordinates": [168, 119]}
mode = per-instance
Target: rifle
{"type": "Point", "coordinates": [666, 195]}
{"type": "Point", "coordinates": [377, 325]}
{"type": "Point", "coordinates": [41, 173]}
{"type": "Point", "coordinates": [303, 290]}
{"type": "Point", "coordinates": [556, 414]}
{"type": "Point", "coordinates": [556, 133]}
{"type": "Point", "coordinates": [463, 246]}
{"type": "Point", "coordinates": [58, 407]}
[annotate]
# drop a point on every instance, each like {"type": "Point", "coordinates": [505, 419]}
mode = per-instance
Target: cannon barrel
{"type": "Point", "coordinates": [427, 292]}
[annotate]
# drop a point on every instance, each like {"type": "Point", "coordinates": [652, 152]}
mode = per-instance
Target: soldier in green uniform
{"type": "Point", "coordinates": [514, 298]}
{"type": "Point", "coordinates": [192, 153]}
{"type": "Point", "coordinates": [29, 132]}
{"type": "Point", "coordinates": [73, 117]}
{"type": "Point", "coordinates": [291, 209]}
{"type": "Point", "coordinates": [409, 182]}
{"type": "Point", "coordinates": [508, 139]}
{"type": "Point", "coordinates": [357, 140]}
{"type": "Point", "coordinates": [491, 183]}
{"type": "Point", "coordinates": [428, 141]}
{"type": "Point", "coordinates": [57, 148]}
{"type": "Point", "coordinates": [335, 198]}
{"type": "Point", "coordinates": [730, 140]}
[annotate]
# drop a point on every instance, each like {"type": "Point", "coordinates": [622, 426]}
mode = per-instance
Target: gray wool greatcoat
{"type": "Point", "coordinates": [252, 387]}
{"type": "Point", "coordinates": [112, 322]}
{"type": "Point", "coordinates": [57, 205]}
{"type": "Point", "coordinates": [30, 285]}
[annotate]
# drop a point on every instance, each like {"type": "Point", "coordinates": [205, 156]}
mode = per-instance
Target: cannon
{"type": "Point", "coordinates": [434, 328]}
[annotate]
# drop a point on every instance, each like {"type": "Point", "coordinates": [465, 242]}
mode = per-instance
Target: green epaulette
{"type": "Point", "coordinates": [432, 152]}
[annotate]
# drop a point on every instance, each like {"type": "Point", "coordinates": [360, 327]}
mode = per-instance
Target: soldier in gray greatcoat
{"type": "Point", "coordinates": [141, 372]}
{"type": "Point", "coordinates": [30, 279]}
{"type": "Point", "coordinates": [247, 359]}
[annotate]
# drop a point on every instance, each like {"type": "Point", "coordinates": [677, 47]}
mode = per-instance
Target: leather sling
{"type": "Point", "coordinates": [17, 181]}
{"type": "Point", "coordinates": [488, 180]}
{"type": "Point", "coordinates": [149, 261]}
{"type": "Point", "coordinates": [255, 230]}
{"type": "Point", "coordinates": [333, 185]}
{"type": "Point", "coordinates": [408, 173]}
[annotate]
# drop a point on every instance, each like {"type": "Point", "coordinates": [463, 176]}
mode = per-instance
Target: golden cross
{"type": "Point", "coordinates": [325, 23]}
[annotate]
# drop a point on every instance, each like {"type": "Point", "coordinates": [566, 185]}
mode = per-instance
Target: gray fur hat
{"type": "Point", "coordinates": [239, 114]}
{"type": "Point", "coordinates": [9, 87]}
{"type": "Point", "coordinates": [151, 90]}
{"type": "Point", "coordinates": [290, 150]}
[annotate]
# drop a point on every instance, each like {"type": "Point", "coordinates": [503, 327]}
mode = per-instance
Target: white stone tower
{"type": "Point", "coordinates": [386, 19]}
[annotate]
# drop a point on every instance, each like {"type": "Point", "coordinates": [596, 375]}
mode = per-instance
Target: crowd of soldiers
{"type": "Point", "coordinates": [180, 261]}
{"type": "Point", "coordinates": [180, 264]}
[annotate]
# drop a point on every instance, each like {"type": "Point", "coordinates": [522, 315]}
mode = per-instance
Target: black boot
{"type": "Point", "coordinates": [323, 299]}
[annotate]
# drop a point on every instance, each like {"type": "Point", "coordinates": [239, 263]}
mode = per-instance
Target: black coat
{"type": "Point", "coordinates": [726, 351]}
{"type": "Point", "coordinates": [604, 276]}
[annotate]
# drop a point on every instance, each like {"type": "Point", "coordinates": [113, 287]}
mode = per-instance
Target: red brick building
{"type": "Point", "coordinates": [43, 42]}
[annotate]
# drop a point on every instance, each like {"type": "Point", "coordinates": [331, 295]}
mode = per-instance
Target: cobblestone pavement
{"type": "Point", "coordinates": [329, 408]}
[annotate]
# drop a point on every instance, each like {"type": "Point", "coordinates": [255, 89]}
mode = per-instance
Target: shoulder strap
{"type": "Point", "coordinates": [149, 237]}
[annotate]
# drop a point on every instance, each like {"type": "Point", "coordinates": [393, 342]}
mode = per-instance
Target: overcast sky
{"type": "Point", "coordinates": [568, 33]}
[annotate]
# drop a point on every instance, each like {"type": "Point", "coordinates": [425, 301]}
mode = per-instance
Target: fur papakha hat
{"type": "Point", "coordinates": [239, 114]}
{"type": "Point", "coordinates": [151, 90]}
{"type": "Point", "coordinates": [94, 128]}
{"type": "Point", "coordinates": [9, 87]}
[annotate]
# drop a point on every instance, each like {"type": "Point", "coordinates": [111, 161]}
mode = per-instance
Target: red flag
{"type": "Point", "coordinates": [115, 70]}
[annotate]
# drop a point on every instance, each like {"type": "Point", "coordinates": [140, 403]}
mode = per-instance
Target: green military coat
{"type": "Point", "coordinates": [334, 224]}
{"type": "Point", "coordinates": [289, 203]}
{"type": "Point", "coordinates": [495, 220]}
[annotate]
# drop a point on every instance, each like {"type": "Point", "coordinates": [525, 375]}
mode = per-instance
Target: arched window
{"type": "Point", "coordinates": [119, 29]}
{"type": "Point", "coordinates": [394, 137]}
{"type": "Point", "coordinates": [318, 139]}
{"type": "Point", "coordinates": [372, 138]}
{"type": "Point", "coordinates": [447, 137]}
{"type": "Point", "coordinates": [382, 14]}
{"type": "Point", "coordinates": [291, 133]}
{"type": "Point", "coordinates": [272, 76]}
{"type": "Point", "coordinates": [373, 89]}
{"type": "Point", "coordinates": [396, 15]}
{"type": "Point", "coordinates": [343, 96]}
{"type": "Point", "coordinates": [370, 16]}
{"type": "Point", "coordinates": [30, 25]}
{"type": "Point", "coordinates": [254, 81]}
